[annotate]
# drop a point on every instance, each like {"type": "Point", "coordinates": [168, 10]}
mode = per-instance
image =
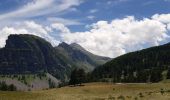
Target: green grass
{"type": "Point", "coordinates": [96, 91]}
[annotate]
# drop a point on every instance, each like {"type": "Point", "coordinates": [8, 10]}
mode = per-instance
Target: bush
{"type": "Point", "coordinates": [121, 98]}
{"type": "Point", "coordinates": [111, 97]}
{"type": "Point", "coordinates": [136, 98]}
{"type": "Point", "coordinates": [168, 91]}
{"type": "Point", "coordinates": [12, 88]}
{"type": "Point", "coordinates": [162, 91]}
{"type": "Point", "coordinates": [141, 95]}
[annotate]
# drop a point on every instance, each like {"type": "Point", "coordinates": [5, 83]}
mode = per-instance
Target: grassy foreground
{"type": "Point", "coordinates": [96, 91]}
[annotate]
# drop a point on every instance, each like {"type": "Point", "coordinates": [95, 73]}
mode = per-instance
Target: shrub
{"type": "Point", "coordinates": [12, 88]}
{"type": "Point", "coordinates": [162, 91]}
{"type": "Point", "coordinates": [121, 97]}
{"type": "Point", "coordinates": [136, 98]}
{"type": "Point", "coordinates": [168, 91]}
{"type": "Point", "coordinates": [141, 95]}
{"type": "Point", "coordinates": [111, 97]}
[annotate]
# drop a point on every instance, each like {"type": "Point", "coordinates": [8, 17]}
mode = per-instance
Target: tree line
{"type": "Point", "coordinates": [142, 66]}
{"type": "Point", "coordinates": [79, 76]}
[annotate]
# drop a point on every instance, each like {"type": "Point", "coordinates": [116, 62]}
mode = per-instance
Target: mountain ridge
{"type": "Point", "coordinates": [25, 53]}
{"type": "Point", "coordinates": [80, 56]}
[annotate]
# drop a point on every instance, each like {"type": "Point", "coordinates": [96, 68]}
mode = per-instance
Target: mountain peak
{"type": "Point", "coordinates": [24, 41]}
{"type": "Point", "coordinates": [72, 44]}
{"type": "Point", "coordinates": [63, 44]}
{"type": "Point", "coordinates": [77, 46]}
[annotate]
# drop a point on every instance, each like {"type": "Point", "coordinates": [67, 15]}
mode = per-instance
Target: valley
{"type": "Point", "coordinates": [84, 49]}
{"type": "Point", "coordinates": [40, 71]}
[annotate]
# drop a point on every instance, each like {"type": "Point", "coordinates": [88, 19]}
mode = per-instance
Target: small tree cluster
{"type": "Point", "coordinates": [78, 76]}
{"type": "Point", "coordinates": [5, 87]}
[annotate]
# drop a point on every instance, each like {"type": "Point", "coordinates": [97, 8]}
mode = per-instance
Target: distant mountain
{"type": "Point", "coordinates": [148, 65]}
{"type": "Point", "coordinates": [81, 58]}
{"type": "Point", "coordinates": [28, 54]}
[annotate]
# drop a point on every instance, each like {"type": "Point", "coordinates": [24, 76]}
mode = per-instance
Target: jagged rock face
{"type": "Point", "coordinates": [31, 54]}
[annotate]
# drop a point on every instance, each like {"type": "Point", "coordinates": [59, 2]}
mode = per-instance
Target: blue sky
{"type": "Point", "coordinates": [103, 10]}
{"type": "Point", "coordinates": [97, 25]}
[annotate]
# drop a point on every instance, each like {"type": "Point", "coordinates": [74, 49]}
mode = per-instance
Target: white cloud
{"type": "Point", "coordinates": [148, 3]}
{"type": "Point", "coordinates": [105, 38]}
{"type": "Point", "coordinates": [109, 2]}
{"type": "Point", "coordinates": [93, 11]}
{"type": "Point", "coordinates": [64, 21]}
{"type": "Point", "coordinates": [28, 27]}
{"type": "Point", "coordinates": [120, 36]}
{"type": "Point", "coordinates": [116, 1]}
{"type": "Point", "coordinates": [31, 9]}
{"type": "Point", "coordinates": [31, 25]}
{"type": "Point", "coordinates": [41, 7]}
{"type": "Point", "coordinates": [60, 27]}
{"type": "Point", "coordinates": [91, 17]}
{"type": "Point", "coordinates": [164, 18]}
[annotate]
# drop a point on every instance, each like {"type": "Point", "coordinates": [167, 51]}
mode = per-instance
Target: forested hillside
{"type": "Point", "coordinates": [148, 65]}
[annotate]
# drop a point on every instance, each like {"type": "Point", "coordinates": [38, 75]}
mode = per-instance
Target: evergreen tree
{"type": "Point", "coordinates": [168, 74]}
{"type": "Point", "coordinates": [81, 76]}
{"type": "Point", "coordinates": [78, 76]}
{"type": "Point", "coordinates": [12, 88]}
{"type": "Point", "coordinates": [73, 78]}
{"type": "Point", "coordinates": [3, 86]}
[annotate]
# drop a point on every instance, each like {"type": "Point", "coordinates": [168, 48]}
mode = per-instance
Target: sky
{"type": "Point", "coordinates": [104, 27]}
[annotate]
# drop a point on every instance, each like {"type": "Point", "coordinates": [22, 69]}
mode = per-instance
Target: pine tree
{"type": "Point", "coordinates": [78, 76]}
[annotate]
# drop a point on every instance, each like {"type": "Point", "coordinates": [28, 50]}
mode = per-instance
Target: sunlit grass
{"type": "Point", "coordinates": [95, 91]}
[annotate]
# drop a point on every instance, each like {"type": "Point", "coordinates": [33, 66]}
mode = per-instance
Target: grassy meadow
{"type": "Point", "coordinates": [96, 91]}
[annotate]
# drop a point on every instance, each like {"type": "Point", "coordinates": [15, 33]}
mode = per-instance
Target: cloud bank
{"type": "Point", "coordinates": [27, 27]}
{"type": "Point", "coordinates": [122, 35]}
{"type": "Point", "coordinates": [105, 38]}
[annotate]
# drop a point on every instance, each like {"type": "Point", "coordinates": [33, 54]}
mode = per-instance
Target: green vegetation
{"type": "Point", "coordinates": [148, 65]}
{"type": "Point", "coordinates": [5, 87]}
{"type": "Point", "coordinates": [78, 76]}
{"type": "Point", "coordinates": [121, 97]}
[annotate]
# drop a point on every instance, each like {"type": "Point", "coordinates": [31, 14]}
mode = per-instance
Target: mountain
{"type": "Point", "coordinates": [80, 57]}
{"type": "Point", "coordinates": [28, 54]}
{"type": "Point", "coordinates": [99, 60]}
{"type": "Point", "coordinates": [148, 65]}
